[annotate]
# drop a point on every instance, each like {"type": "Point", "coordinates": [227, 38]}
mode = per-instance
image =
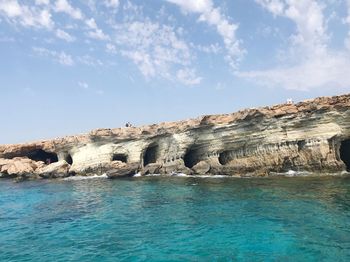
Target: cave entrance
{"type": "Point", "coordinates": [41, 155]}
{"type": "Point", "coordinates": [150, 155]}
{"type": "Point", "coordinates": [191, 158]}
{"type": "Point", "coordinates": [120, 157]}
{"type": "Point", "coordinates": [224, 158]}
{"type": "Point", "coordinates": [69, 159]}
{"type": "Point", "coordinates": [345, 153]}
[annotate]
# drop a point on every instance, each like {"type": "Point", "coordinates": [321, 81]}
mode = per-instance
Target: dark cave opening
{"type": "Point", "coordinates": [224, 158]}
{"type": "Point", "coordinates": [69, 159]}
{"type": "Point", "coordinates": [120, 157]}
{"type": "Point", "coordinates": [191, 158]}
{"type": "Point", "coordinates": [150, 155]}
{"type": "Point", "coordinates": [345, 153]}
{"type": "Point", "coordinates": [301, 145]}
{"type": "Point", "coordinates": [41, 155]}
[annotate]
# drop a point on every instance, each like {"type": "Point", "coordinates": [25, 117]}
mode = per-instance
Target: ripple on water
{"type": "Point", "coordinates": [177, 219]}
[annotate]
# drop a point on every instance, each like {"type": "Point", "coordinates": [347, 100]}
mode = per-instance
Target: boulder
{"type": "Point", "coordinates": [54, 170]}
{"type": "Point", "coordinates": [17, 167]}
{"type": "Point", "coordinates": [152, 168]}
{"type": "Point", "coordinates": [127, 170]}
{"type": "Point", "coordinates": [201, 168]}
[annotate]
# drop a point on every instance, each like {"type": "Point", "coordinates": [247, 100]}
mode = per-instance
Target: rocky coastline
{"type": "Point", "coordinates": [312, 135]}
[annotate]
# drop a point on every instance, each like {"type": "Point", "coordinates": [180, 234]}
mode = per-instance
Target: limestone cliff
{"type": "Point", "coordinates": [313, 135]}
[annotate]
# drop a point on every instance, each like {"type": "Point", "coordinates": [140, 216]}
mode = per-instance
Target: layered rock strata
{"type": "Point", "coordinates": [313, 135]}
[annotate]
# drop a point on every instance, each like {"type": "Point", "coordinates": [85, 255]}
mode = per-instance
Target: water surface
{"type": "Point", "coordinates": [176, 219]}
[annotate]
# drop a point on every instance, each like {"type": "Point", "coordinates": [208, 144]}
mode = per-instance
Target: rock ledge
{"type": "Point", "coordinates": [313, 135]}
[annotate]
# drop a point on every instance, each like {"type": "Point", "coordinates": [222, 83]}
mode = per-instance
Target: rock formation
{"type": "Point", "coordinates": [313, 135]}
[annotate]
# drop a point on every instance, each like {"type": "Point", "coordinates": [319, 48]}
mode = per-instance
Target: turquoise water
{"type": "Point", "coordinates": [176, 219]}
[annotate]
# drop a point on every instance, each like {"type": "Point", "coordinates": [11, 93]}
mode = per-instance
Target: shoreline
{"type": "Point", "coordinates": [313, 136]}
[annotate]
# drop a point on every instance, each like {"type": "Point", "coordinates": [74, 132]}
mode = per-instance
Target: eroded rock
{"type": "Point", "coordinates": [54, 170]}
{"type": "Point", "coordinates": [313, 135]}
{"type": "Point", "coordinates": [124, 171]}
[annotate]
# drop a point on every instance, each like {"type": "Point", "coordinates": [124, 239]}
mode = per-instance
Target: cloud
{"type": "Point", "coordinates": [309, 62]}
{"type": "Point", "coordinates": [156, 49]}
{"type": "Point", "coordinates": [25, 15]}
{"type": "Point", "coordinates": [110, 48]}
{"type": "Point", "coordinates": [98, 35]}
{"type": "Point", "coordinates": [89, 61]}
{"type": "Point", "coordinates": [276, 7]}
{"type": "Point", "coordinates": [64, 6]}
{"type": "Point", "coordinates": [83, 84]}
{"type": "Point", "coordinates": [347, 21]}
{"type": "Point", "coordinates": [60, 57]}
{"type": "Point", "coordinates": [64, 35]}
{"type": "Point", "coordinates": [111, 3]}
{"type": "Point", "coordinates": [42, 2]}
{"type": "Point", "coordinates": [188, 77]}
{"type": "Point", "coordinates": [95, 33]}
{"type": "Point", "coordinates": [308, 17]}
{"type": "Point", "coordinates": [327, 70]}
{"type": "Point", "coordinates": [91, 23]}
{"type": "Point", "coordinates": [213, 16]}
{"type": "Point", "coordinates": [11, 8]}
{"type": "Point", "coordinates": [209, 49]}
{"type": "Point", "coordinates": [197, 6]}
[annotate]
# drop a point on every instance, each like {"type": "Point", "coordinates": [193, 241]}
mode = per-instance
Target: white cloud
{"type": "Point", "coordinates": [42, 2]}
{"type": "Point", "coordinates": [308, 18]}
{"type": "Point", "coordinates": [64, 35]}
{"type": "Point", "coordinates": [83, 84]}
{"type": "Point", "coordinates": [96, 32]}
{"type": "Point", "coordinates": [98, 35]}
{"type": "Point", "coordinates": [156, 49]}
{"type": "Point", "coordinates": [197, 6]}
{"type": "Point", "coordinates": [111, 3]}
{"type": "Point", "coordinates": [209, 49]}
{"type": "Point", "coordinates": [11, 8]}
{"type": "Point", "coordinates": [44, 19]}
{"type": "Point", "coordinates": [143, 60]}
{"type": "Point", "coordinates": [60, 57]}
{"type": "Point", "coordinates": [89, 61]}
{"type": "Point", "coordinates": [65, 59]}
{"type": "Point", "coordinates": [25, 15]}
{"type": "Point", "coordinates": [65, 7]}
{"type": "Point", "coordinates": [212, 16]}
{"type": "Point", "coordinates": [347, 21]}
{"type": "Point", "coordinates": [324, 71]}
{"type": "Point", "coordinates": [91, 23]}
{"type": "Point", "coordinates": [188, 77]}
{"type": "Point", "coordinates": [276, 7]}
{"type": "Point", "coordinates": [309, 61]}
{"type": "Point", "coordinates": [110, 48]}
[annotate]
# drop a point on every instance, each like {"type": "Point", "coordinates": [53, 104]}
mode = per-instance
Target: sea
{"type": "Point", "coordinates": [177, 218]}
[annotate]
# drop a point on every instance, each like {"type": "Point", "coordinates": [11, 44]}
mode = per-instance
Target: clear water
{"type": "Point", "coordinates": [176, 219]}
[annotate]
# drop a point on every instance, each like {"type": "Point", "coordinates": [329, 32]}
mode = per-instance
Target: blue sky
{"type": "Point", "coordinates": [71, 66]}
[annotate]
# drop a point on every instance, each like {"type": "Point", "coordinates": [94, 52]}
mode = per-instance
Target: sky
{"type": "Point", "coordinates": [67, 67]}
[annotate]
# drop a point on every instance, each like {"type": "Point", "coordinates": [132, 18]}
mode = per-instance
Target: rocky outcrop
{"type": "Point", "coordinates": [313, 135]}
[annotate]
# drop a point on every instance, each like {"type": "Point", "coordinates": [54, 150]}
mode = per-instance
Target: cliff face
{"type": "Point", "coordinates": [313, 135]}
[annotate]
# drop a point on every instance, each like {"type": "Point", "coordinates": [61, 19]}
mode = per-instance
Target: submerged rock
{"type": "Point", "coordinates": [313, 136]}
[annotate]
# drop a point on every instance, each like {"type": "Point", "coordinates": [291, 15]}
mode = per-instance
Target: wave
{"type": "Point", "coordinates": [76, 178]}
{"type": "Point", "coordinates": [182, 175]}
{"type": "Point", "coordinates": [292, 173]}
